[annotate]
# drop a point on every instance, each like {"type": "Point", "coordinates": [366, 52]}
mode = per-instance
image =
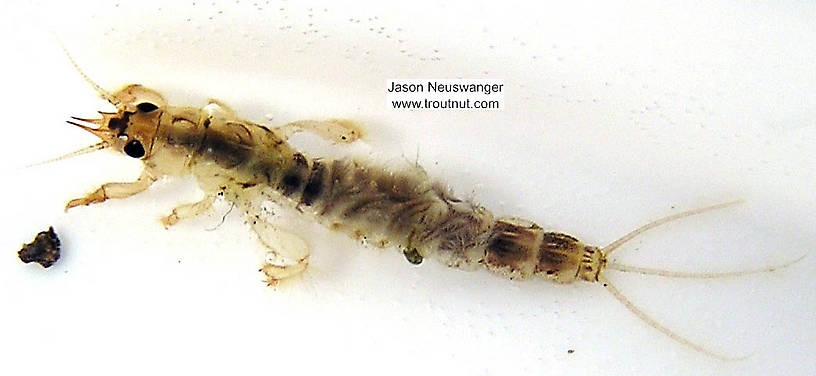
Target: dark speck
{"type": "Point", "coordinates": [413, 256]}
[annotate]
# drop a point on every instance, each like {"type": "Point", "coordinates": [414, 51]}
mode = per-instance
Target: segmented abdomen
{"type": "Point", "coordinates": [402, 208]}
{"type": "Point", "coordinates": [409, 210]}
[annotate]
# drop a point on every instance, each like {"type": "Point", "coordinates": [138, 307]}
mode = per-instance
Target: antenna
{"type": "Point", "coordinates": [102, 92]}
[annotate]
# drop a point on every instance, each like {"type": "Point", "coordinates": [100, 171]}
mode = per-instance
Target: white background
{"type": "Point", "coordinates": [615, 114]}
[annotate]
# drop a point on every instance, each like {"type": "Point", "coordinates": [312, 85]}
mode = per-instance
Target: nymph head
{"type": "Point", "coordinates": [132, 129]}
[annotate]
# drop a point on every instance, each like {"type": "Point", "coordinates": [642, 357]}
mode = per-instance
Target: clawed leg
{"type": "Point", "coordinates": [188, 211]}
{"type": "Point", "coordinates": [114, 190]}
{"type": "Point", "coordinates": [288, 253]}
{"type": "Point", "coordinates": [335, 130]}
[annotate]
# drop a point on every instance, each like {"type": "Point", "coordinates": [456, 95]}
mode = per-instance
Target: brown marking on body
{"type": "Point", "coordinates": [295, 176]}
{"type": "Point", "coordinates": [120, 124]}
{"type": "Point", "coordinates": [556, 251]}
{"type": "Point", "coordinates": [184, 133]}
{"type": "Point", "coordinates": [371, 202]}
{"type": "Point", "coordinates": [222, 150]}
{"type": "Point", "coordinates": [514, 246]}
{"type": "Point", "coordinates": [315, 185]}
{"type": "Point", "coordinates": [341, 189]}
{"type": "Point", "coordinates": [227, 144]}
{"type": "Point", "coordinates": [407, 215]}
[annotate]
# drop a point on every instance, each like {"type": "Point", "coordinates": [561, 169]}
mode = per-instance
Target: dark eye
{"type": "Point", "coordinates": [146, 107]}
{"type": "Point", "coordinates": [134, 149]}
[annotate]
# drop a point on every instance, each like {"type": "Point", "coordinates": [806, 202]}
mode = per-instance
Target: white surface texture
{"type": "Point", "coordinates": [615, 114]}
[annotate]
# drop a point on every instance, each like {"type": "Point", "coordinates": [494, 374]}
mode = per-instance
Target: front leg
{"type": "Point", "coordinates": [114, 190]}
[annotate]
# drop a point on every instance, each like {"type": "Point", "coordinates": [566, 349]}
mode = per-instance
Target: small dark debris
{"type": "Point", "coordinates": [45, 249]}
{"type": "Point", "coordinates": [413, 256]}
{"type": "Point", "coordinates": [570, 351]}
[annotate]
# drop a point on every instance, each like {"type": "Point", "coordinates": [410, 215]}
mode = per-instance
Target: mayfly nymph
{"type": "Point", "coordinates": [248, 164]}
